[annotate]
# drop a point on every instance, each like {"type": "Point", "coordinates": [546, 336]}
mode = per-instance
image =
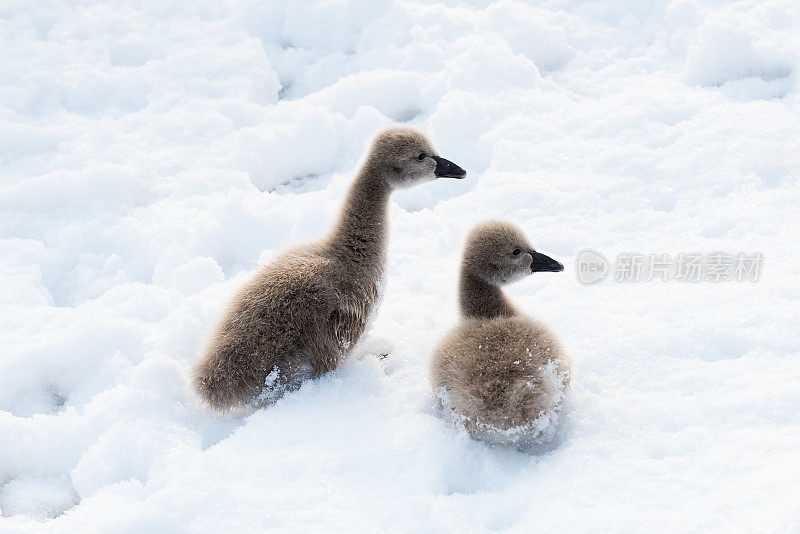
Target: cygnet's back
{"type": "Point", "coordinates": [501, 373]}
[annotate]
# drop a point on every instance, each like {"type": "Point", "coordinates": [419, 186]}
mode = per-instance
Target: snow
{"type": "Point", "coordinates": [153, 154]}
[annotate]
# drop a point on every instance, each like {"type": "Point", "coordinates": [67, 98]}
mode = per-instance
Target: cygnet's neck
{"type": "Point", "coordinates": [359, 237]}
{"type": "Point", "coordinates": [481, 299]}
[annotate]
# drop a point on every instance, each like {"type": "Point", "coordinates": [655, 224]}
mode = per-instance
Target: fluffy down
{"type": "Point", "coordinates": [504, 378]}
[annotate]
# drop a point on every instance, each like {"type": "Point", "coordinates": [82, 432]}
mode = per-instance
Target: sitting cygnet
{"type": "Point", "coordinates": [501, 373]}
{"type": "Point", "coordinates": [303, 312]}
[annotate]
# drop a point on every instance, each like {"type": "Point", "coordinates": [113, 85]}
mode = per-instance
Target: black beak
{"type": "Point", "coordinates": [447, 169]}
{"type": "Point", "coordinates": [544, 263]}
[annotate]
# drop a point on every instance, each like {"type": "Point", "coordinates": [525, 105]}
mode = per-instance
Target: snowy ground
{"type": "Point", "coordinates": [151, 155]}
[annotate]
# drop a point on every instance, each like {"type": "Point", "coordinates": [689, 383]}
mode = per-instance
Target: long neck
{"type": "Point", "coordinates": [481, 299]}
{"type": "Point", "coordinates": [359, 238]}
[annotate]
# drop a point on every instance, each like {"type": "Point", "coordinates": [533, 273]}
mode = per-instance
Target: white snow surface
{"type": "Point", "coordinates": [153, 153]}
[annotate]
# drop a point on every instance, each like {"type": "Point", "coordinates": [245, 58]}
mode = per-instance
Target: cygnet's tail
{"type": "Point", "coordinates": [221, 385]}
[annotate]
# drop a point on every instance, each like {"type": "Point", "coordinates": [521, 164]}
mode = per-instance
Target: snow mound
{"type": "Point", "coordinates": [39, 497]}
{"type": "Point", "coordinates": [729, 57]}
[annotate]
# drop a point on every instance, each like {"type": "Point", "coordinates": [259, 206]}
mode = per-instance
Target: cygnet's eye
{"type": "Point", "coordinates": [516, 252]}
{"type": "Point", "coordinates": [421, 156]}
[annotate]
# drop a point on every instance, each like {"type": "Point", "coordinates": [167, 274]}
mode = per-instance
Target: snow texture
{"type": "Point", "coordinates": [153, 153]}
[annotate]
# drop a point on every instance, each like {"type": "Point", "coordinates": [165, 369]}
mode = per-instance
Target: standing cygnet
{"type": "Point", "coordinates": [501, 373]}
{"type": "Point", "coordinates": [301, 313]}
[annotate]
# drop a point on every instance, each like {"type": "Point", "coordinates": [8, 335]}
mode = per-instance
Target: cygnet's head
{"type": "Point", "coordinates": [405, 157]}
{"type": "Point", "coordinates": [498, 253]}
